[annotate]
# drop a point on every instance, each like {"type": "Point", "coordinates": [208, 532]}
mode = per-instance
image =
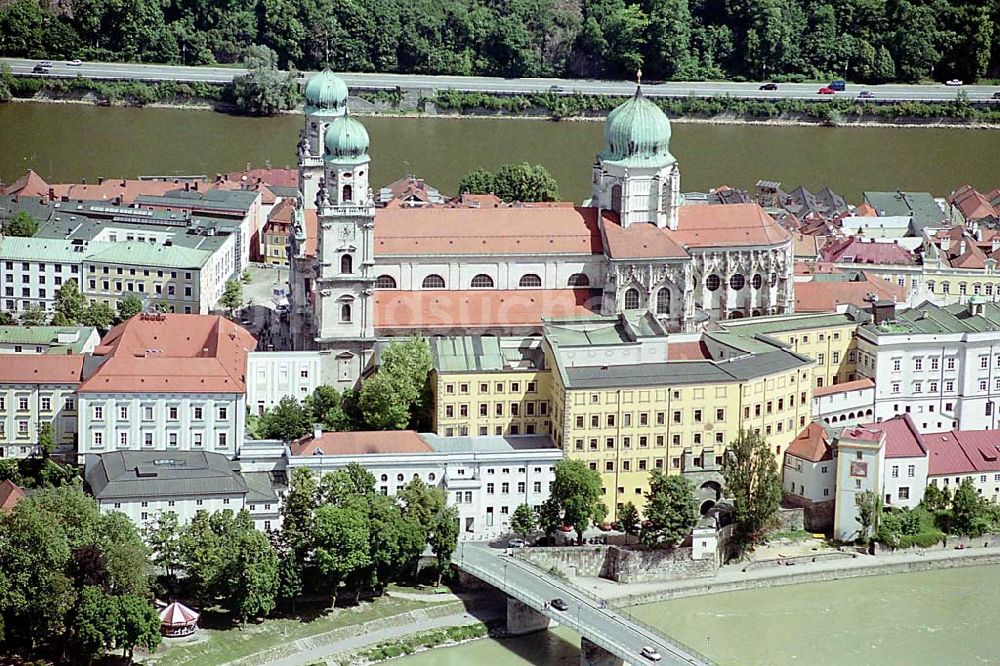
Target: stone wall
{"type": "Point", "coordinates": [817, 516]}
{"type": "Point", "coordinates": [791, 519]}
{"type": "Point", "coordinates": [569, 560]}
{"type": "Point", "coordinates": [622, 565]}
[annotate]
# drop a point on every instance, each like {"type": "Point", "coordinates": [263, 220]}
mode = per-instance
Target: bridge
{"type": "Point", "coordinates": [609, 637]}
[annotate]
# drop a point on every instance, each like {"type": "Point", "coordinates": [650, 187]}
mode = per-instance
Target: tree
{"type": "Point", "coordinates": [326, 406]}
{"type": "Point", "coordinates": [969, 510]}
{"type": "Point", "coordinates": [99, 315]}
{"type": "Point", "coordinates": [443, 539]}
{"type": "Point", "coordinates": [163, 536]}
{"type": "Point", "coordinates": [549, 518]}
{"type": "Point", "coordinates": [128, 307]}
{"type": "Point", "coordinates": [936, 500]}
{"type": "Point", "coordinates": [94, 627]}
{"type": "Point", "coordinates": [577, 489]}
{"type": "Point", "coordinates": [398, 395]}
{"type": "Point", "coordinates": [46, 440]}
{"type": "Point", "coordinates": [628, 520]}
{"type": "Point", "coordinates": [21, 224]}
{"type": "Point", "coordinates": [869, 509]}
{"type": "Point", "coordinates": [70, 304]}
{"type": "Point", "coordinates": [250, 575]}
{"type": "Point", "coordinates": [524, 521]}
{"type": "Point", "coordinates": [346, 485]}
{"type": "Point", "coordinates": [421, 503]}
{"type": "Point", "coordinates": [297, 512]}
{"type": "Point", "coordinates": [478, 181]}
{"type": "Point", "coordinates": [232, 296]}
{"type": "Point", "coordinates": [287, 421]}
{"type": "Point", "coordinates": [264, 90]}
{"type": "Point", "coordinates": [33, 316]}
{"type": "Point", "coordinates": [524, 182]}
{"type": "Point", "coordinates": [136, 624]}
{"type": "Point", "coordinates": [753, 484]}
{"type": "Point", "coordinates": [396, 541]}
{"type": "Point", "coordinates": [670, 509]}
{"type": "Point", "coordinates": [342, 543]}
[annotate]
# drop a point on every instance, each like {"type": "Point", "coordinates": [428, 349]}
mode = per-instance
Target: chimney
{"type": "Point", "coordinates": [187, 186]}
{"type": "Point", "coordinates": [100, 180]}
{"type": "Point", "coordinates": [317, 430]}
{"type": "Point", "coordinates": [961, 246]}
{"type": "Point", "coordinates": [883, 310]}
{"type": "Point", "coordinates": [52, 194]}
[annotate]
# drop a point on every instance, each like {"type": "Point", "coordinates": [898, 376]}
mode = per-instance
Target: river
{"type": "Point", "coordinates": [70, 142]}
{"type": "Point", "coordinates": [934, 617]}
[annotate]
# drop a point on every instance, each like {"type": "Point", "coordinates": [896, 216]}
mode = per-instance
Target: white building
{"type": "Point", "coordinates": [143, 484]}
{"type": "Point", "coordinates": [940, 365]}
{"type": "Point", "coordinates": [809, 471]}
{"type": "Point", "coordinates": [35, 268]}
{"type": "Point", "coordinates": [273, 375]}
{"type": "Point", "coordinates": [36, 389]}
{"type": "Point", "coordinates": [485, 478]}
{"type": "Point", "coordinates": [860, 461]}
{"type": "Point", "coordinates": [167, 382]}
{"type": "Point", "coordinates": [959, 455]}
{"type": "Point", "coordinates": [48, 339]}
{"type": "Point", "coordinates": [847, 403]}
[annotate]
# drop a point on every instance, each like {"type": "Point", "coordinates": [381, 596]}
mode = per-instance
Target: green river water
{"type": "Point", "coordinates": [934, 617]}
{"type": "Point", "coordinates": [69, 142]}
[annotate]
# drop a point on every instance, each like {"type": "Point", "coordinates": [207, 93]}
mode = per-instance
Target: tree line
{"type": "Point", "coordinates": [864, 40]}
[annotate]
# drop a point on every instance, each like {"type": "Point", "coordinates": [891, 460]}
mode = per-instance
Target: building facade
{"type": "Point", "coordinates": [35, 390]}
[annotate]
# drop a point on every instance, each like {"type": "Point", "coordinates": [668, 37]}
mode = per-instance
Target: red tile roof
{"type": "Point", "coordinates": [844, 387]}
{"type": "Point", "coordinates": [856, 250]}
{"type": "Point", "coordinates": [312, 232]}
{"type": "Point", "coordinates": [554, 229]}
{"type": "Point", "coordinates": [902, 439]}
{"type": "Point", "coordinates": [429, 309]}
{"type": "Point", "coordinates": [688, 351]}
{"type": "Point", "coordinates": [477, 200]}
{"type": "Point", "coordinates": [41, 369]}
{"type": "Point", "coordinates": [127, 189]}
{"type": "Point", "coordinates": [10, 495]}
{"type": "Point", "coordinates": [864, 210]}
{"type": "Point", "coordinates": [361, 443]}
{"type": "Point", "coordinates": [639, 241]}
{"type": "Point", "coordinates": [172, 353]}
{"type": "Point", "coordinates": [812, 444]}
{"type": "Point", "coordinates": [732, 224]}
{"type": "Point", "coordinates": [826, 296]}
{"type": "Point", "coordinates": [963, 452]}
{"type": "Point", "coordinates": [29, 185]}
{"type": "Point", "coordinates": [971, 204]}
{"type": "Point", "coordinates": [276, 177]}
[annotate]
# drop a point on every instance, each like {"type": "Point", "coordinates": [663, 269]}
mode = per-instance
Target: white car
{"type": "Point", "coordinates": [953, 82]}
{"type": "Point", "coordinates": [517, 543]}
{"type": "Point", "coordinates": [75, 63]}
{"type": "Point", "coordinates": [650, 653]}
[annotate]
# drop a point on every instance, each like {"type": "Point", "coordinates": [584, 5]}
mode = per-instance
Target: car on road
{"type": "Point", "coordinates": [40, 69]}
{"type": "Point", "coordinates": [953, 83]}
{"type": "Point", "coordinates": [45, 63]}
{"type": "Point", "coordinates": [517, 543]}
{"type": "Point", "coordinates": [769, 86]}
{"type": "Point", "coordinates": [996, 95]}
{"type": "Point", "coordinates": [825, 90]}
{"type": "Point", "coordinates": [839, 85]}
{"type": "Point", "coordinates": [559, 604]}
{"type": "Point", "coordinates": [555, 88]}
{"type": "Point", "coordinates": [650, 653]}
{"type": "Point", "coordinates": [866, 94]}
{"type": "Point", "coordinates": [75, 62]}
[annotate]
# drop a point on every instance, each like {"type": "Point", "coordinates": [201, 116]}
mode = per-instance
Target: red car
{"type": "Point", "coordinates": [825, 90]}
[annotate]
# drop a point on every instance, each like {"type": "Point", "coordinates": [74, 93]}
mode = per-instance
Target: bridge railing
{"type": "Point", "coordinates": [597, 601]}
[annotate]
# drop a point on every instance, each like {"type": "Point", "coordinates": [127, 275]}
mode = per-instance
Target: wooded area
{"type": "Point", "coordinates": [862, 40]}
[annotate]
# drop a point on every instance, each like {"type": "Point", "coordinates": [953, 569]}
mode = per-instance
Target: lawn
{"type": "Point", "coordinates": [219, 646]}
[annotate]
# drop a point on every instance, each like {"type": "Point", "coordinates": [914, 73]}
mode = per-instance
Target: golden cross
{"type": "Point", "coordinates": [638, 76]}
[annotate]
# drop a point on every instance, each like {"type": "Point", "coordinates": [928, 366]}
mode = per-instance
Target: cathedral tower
{"type": "Point", "coordinates": [326, 100]}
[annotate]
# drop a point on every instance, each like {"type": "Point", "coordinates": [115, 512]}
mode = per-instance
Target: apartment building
{"type": "Point", "coordinates": [167, 382]}
{"type": "Point", "coordinates": [484, 385]}
{"type": "Point", "coordinates": [627, 401]}
{"type": "Point", "coordinates": [828, 339]}
{"type": "Point", "coordinates": [36, 389]}
{"type": "Point", "coordinates": [48, 339]}
{"type": "Point", "coordinates": [35, 268]}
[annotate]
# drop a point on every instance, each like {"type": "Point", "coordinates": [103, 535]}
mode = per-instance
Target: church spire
{"type": "Point", "coordinates": [638, 82]}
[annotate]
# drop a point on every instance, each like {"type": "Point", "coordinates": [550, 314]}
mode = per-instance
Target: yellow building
{"type": "Point", "coordinates": [628, 401]}
{"type": "Point", "coordinates": [828, 339]}
{"type": "Point", "coordinates": [276, 232]}
{"type": "Point", "coordinates": [483, 385]}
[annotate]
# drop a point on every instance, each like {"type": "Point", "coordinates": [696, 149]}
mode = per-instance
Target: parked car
{"type": "Point", "coordinates": [866, 94]}
{"type": "Point", "coordinates": [825, 90]}
{"type": "Point", "coordinates": [559, 604]}
{"type": "Point", "coordinates": [75, 62]}
{"type": "Point", "coordinates": [40, 69]}
{"type": "Point", "coordinates": [650, 653]}
{"type": "Point", "coordinates": [838, 84]}
{"type": "Point", "coordinates": [769, 86]}
{"type": "Point", "coordinates": [517, 543]}
{"type": "Point", "coordinates": [953, 82]}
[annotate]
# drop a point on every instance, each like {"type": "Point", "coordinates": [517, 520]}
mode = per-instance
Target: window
{"type": "Point", "coordinates": [345, 313]}
{"type": "Point", "coordinates": [578, 280]}
{"type": "Point", "coordinates": [482, 281]}
{"type": "Point", "coordinates": [663, 301]}
{"type": "Point", "coordinates": [123, 412]}
{"type": "Point", "coordinates": [631, 299]}
{"type": "Point", "coordinates": [918, 364]}
{"type": "Point", "coordinates": [895, 471]}
{"type": "Point", "coordinates": [737, 282]}
{"type": "Point", "coordinates": [530, 280]}
{"type": "Point", "coordinates": [223, 442]}
{"type": "Point", "coordinates": [98, 440]}
{"type": "Point", "coordinates": [172, 412]}
{"type": "Point", "coordinates": [123, 439]}
{"type": "Point", "coordinates": [713, 282]}
{"type": "Point", "coordinates": [223, 413]}
{"type": "Point", "coordinates": [98, 412]}
{"type": "Point", "coordinates": [896, 364]}
{"type": "Point", "coordinates": [346, 264]}
{"type": "Point", "coordinates": [433, 282]}
{"type": "Point", "coordinates": [505, 488]}
{"type": "Point", "coordinates": [904, 493]}
{"type": "Point", "coordinates": [385, 282]}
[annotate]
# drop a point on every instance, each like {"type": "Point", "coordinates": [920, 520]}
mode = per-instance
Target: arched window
{"type": "Point", "coordinates": [345, 313]}
{"type": "Point", "coordinates": [758, 281]}
{"type": "Point", "coordinates": [774, 279]}
{"type": "Point", "coordinates": [737, 282]}
{"type": "Point", "coordinates": [976, 288]}
{"type": "Point", "coordinates": [663, 301]}
{"type": "Point", "coordinates": [385, 282]}
{"type": "Point", "coordinates": [346, 264]}
{"type": "Point", "coordinates": [736, 314]}
{"type": "Point", "coordinates": [482, 281]}
{"type": "Point", "coordinates": [348, 193]}
{"type": "Point", "coordinates": [713, 282]}
{"type": "Point", "coordinates": [616, 197]}
{"type": "Point", "coordinates": [632, 299]}
{"type": "Point", "coordinates": [579, 280]}
{"type": "Point", "coordinates": [530, 280]}
{"type": "Point", "coordinates": [433, 282]}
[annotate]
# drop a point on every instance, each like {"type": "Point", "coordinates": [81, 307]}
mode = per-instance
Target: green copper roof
{"type": "Point", "coordinates": [637, 133]}
{"type": "Point", "coordinates": [326, 92]}
{"type": "Point", "coordinates": [135, 253]}
{"type": "Point", "coordinates": [346, 140]}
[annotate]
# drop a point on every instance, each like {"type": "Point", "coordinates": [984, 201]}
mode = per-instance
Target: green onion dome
{"type": "Point", "coordinates": [326, 92]}
{"type": "Point", "coordinates": [637, 133]}
{"type": "Point", "coordinates": [346, 139]}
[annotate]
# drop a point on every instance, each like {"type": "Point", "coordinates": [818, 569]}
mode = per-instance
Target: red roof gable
{"type": "Point", "coordinates": [360, 443]}
{"type": "Point", "coordinates": [902, 439]}
{"type": "Point", "coordinates": [855, 250]}
{"type": "Point", "coordinates": [41, 369]}
{"type": "Point", "coordinates": [811, 444]}
{"type": "Point", "coordinates": [10, 495]}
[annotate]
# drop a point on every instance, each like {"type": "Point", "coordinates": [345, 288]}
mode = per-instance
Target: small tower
{"type": "Point", "coordinates": [326, 100]}
{"type": "Point", "coordinates": [635, 175]}
{"type": "Point", "coordinates": [344, 315]}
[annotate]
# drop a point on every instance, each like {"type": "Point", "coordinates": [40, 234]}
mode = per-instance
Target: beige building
{"type": "Point", "coordinates": [37, 389]}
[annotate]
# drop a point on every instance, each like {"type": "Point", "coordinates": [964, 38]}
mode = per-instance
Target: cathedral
{"type": "Point", "coordinates": [360, 273]}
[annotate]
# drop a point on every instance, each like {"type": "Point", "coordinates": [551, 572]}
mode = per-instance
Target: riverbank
{"type": "Point", "coordinates": [840, 112]}
{"type": "Point", "coordinates": [736, 577]}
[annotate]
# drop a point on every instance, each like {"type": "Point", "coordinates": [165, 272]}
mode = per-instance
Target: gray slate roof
{"type": "Point", "coordinates": [124, 475]}
{"type": "Point", "coordinates": [488, 443]}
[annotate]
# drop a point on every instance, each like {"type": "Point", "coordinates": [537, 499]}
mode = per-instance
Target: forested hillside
{"type": "Point", "coordinates": [864, 40]}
